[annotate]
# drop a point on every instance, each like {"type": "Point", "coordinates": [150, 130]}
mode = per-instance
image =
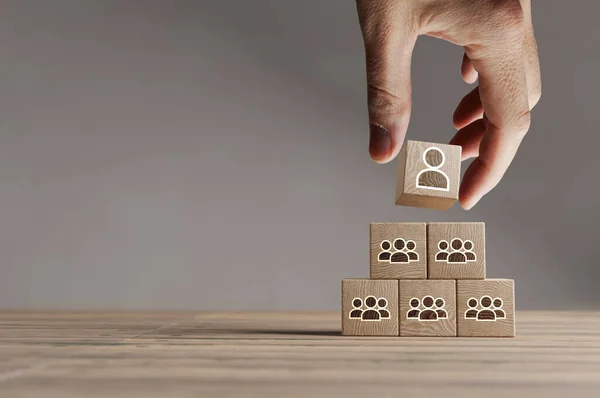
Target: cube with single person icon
{"type": "Point", "coordinates": [428, 175]}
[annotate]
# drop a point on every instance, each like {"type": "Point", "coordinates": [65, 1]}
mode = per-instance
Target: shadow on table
{"type": "Point", "coordinates": [221, 332]}
{"type": "Point", "coordinates": [287, 332]}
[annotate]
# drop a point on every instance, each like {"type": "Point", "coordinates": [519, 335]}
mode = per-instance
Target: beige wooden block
{"type": "Point", "coordinates": [398, 250]}
{"type": "Point", "coordinates": [486, 308]}
{"type": "Point", "coordinates": [428, 175]}
{"type": "Point", "coordinates": [427, 308]}
{"type": "Point", "coordinates": [456, 250]}
{"type": "Point", "coordinates": [369, 307]}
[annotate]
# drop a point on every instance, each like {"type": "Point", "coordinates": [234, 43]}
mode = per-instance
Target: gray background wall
{"type": "Point", "coordinates": [213, 155]}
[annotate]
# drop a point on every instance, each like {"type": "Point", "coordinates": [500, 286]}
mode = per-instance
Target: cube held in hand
{"type": "Point", "coordinates": [428, 175]}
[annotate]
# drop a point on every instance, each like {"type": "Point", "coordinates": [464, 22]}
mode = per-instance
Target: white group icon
{"type": "Point", "coordinates": [457, 252]}
{"type": "Point", "coordinates": [485, 309]}
{"type": "Point", "coordinates": [405, 252]}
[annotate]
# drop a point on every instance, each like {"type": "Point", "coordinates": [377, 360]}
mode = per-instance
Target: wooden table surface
{"type": "Point", "coordinates": [168, 354]}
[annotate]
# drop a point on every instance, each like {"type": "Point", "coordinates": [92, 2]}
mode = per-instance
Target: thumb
{"type": "Point", "coordinates": [389, 41]}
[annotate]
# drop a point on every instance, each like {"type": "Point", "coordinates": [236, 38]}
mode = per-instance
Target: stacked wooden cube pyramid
{"type": "Point", "coordinates": [428, 279]}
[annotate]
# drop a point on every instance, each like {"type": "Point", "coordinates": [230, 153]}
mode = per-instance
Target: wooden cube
{"type": "Point", "coordinates": [456, 250]}
{"type": "Point", "coordinates": [427, 308]}
{"type": "Point", "coordinates": [369, 307]}
{"type": "Point", "coordinates": [428, 175]}
{"type": "Point", "coordinates": [398, 250]}
{"type": "Point", "coordinates": [486, 308]}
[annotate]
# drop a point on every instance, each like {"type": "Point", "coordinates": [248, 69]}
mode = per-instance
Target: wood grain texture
{"type": "Point", "coordinates": [389, 232]}
{"type": "Point", "coordinates": [497, 318]}
{"type": "Point", "coordinates": [412, 170]}
{"type": "Point", "coordinates": [287, 354]}
{"type": "Point", "coordinates": [369, 318]}
{"type": "Point", "coordinates": [412, 319]}
{"type": "Point", "coordinates": [453, 268]}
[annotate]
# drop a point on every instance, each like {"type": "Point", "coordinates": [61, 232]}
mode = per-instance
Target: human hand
{"type": "Point", "coordinates": [500, 52]}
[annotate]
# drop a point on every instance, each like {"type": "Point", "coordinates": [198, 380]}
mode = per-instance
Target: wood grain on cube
{"type": "Point", "coordinates": [428, 175]}
{"type": "Point", "coordinates": [456, 250]}
{"type": "Point", "coordinates": [486, 308]}
{"type": "Point", "coordinates": [427, 308]}
{"type": "Point", "coordinates": [369, 307]}
{"type": "Point", "coordinates": [398, 250]}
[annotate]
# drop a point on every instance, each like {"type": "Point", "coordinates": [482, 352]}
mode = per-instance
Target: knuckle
{"type": "Point", "coordinates": [509, 16]}
{"type": "Point", "coordinates": [498, 24]}
{"type": "Point", "coordinates": [383, 104]}
{"type": "Point", "coordinates": [522, 124]}
{"type": "Point", "coordinates": [535, 95]}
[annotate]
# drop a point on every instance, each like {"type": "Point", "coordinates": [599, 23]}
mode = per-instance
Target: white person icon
{"type": "Point", "coordinates": [432, 177]}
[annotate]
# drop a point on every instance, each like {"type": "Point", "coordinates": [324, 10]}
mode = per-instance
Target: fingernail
{"type": "Point", "coordinates": [470, 203]}
{"type": "Point", "coordinates": [467, 206]}
{"type": "Point", "coordinates": [380, 144]}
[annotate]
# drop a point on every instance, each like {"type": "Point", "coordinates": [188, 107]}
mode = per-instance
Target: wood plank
{"type": "Point", "coordinates": [287, 354]}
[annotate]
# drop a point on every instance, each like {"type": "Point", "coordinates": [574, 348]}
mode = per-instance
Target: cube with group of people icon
{"type": "Point", "coordinates": [428, 279]}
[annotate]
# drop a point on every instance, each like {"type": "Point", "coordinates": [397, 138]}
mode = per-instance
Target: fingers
{"type": "Point", "coordinates": [469, 138]}
{"type": "Point", "coordinates": [504, 96]}
{"type": "Point", "coordinates": [389, 39]}
{"type": "Point", "coordinates": [487, 169]}
{"type": "Point", "coordinates": [470, 107]}
{"type": "Point", "coordinates": [468, 110]}
{"type": "Point", "coordinates": [492, 34]}
{"type": "Point", "coordinates": [469, 74]}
